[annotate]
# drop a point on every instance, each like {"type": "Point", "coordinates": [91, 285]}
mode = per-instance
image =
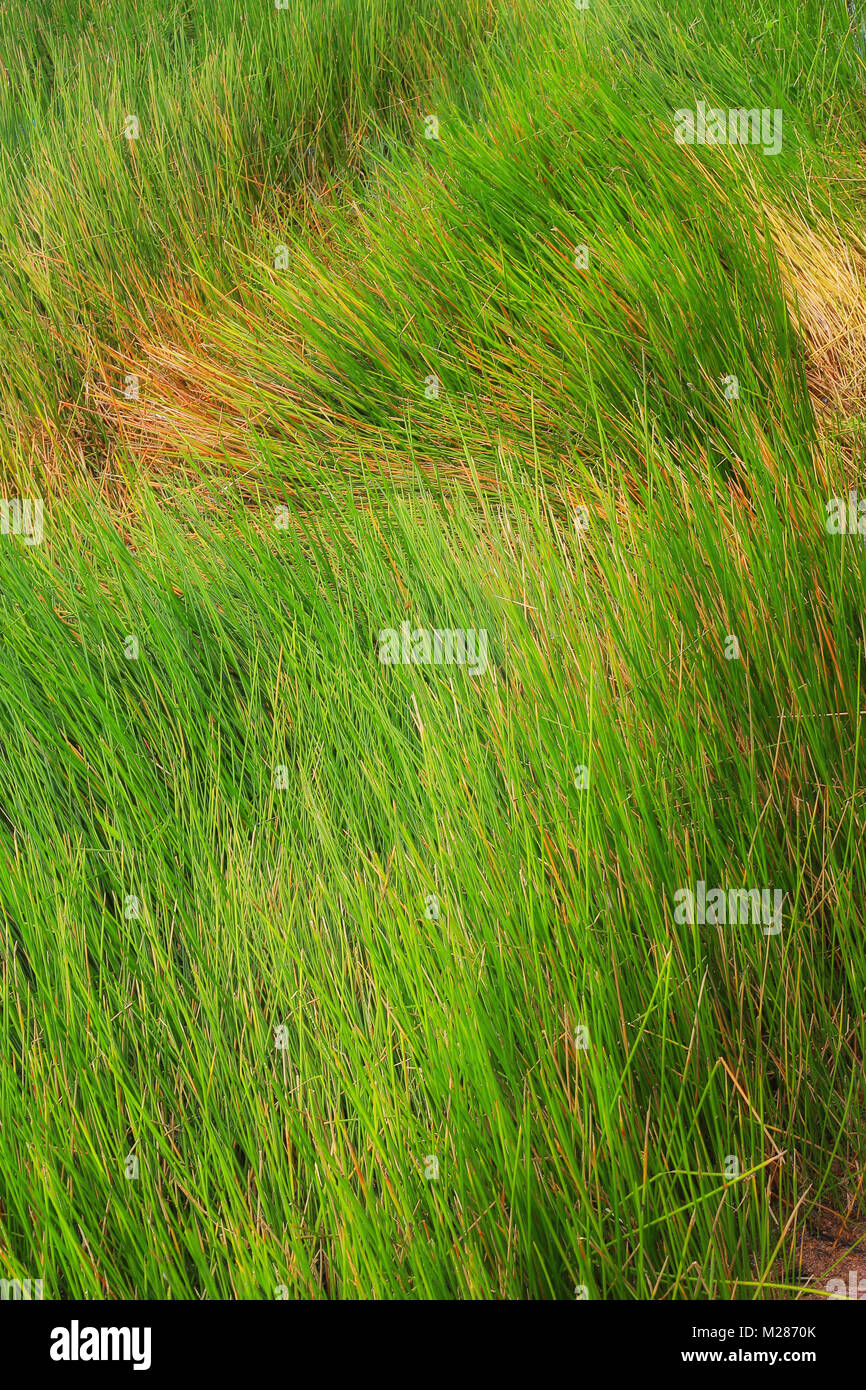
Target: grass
{"type": "Point", "coordinates": [285, 924]}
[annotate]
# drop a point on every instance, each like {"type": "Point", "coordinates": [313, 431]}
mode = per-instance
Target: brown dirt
{"type": "Point", "coordinates": [835, 1248]}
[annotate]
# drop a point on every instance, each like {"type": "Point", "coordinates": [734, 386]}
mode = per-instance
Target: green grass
{"type": "Point", "coordinates": [168, 905]}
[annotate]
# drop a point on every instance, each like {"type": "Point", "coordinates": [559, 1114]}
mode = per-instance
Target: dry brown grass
{"type": "Point", "coordinates": [825, 285]}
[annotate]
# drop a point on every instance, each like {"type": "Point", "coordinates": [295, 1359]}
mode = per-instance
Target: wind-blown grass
{"type": "Point", "coordinates": [236, 106]}
{"type": "Point", "coordinates": [473, 957]}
